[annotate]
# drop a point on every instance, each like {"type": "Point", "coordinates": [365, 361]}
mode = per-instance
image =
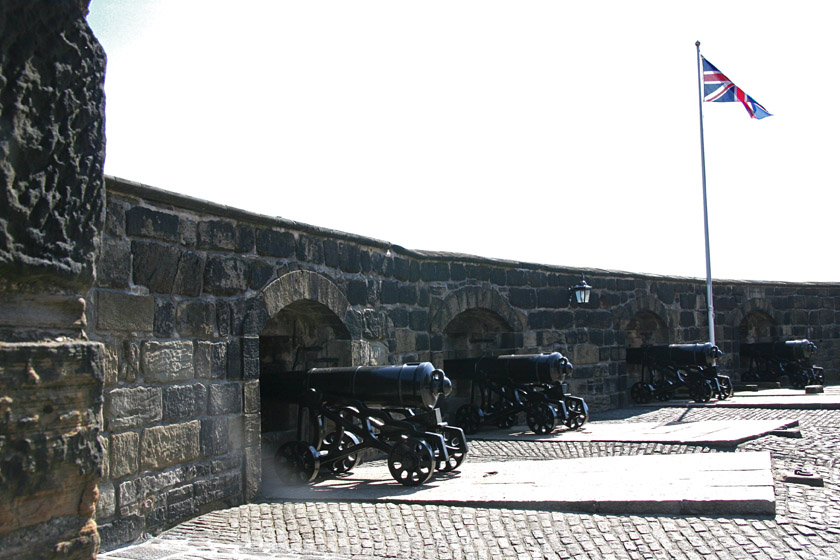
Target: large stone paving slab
{"type": "Point", "coordinates": [708, 432]}
{"type": "Point", "coordinates": [696, 484]}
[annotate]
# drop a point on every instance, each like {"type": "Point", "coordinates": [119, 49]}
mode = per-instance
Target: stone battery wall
{"type": "Point", "coordinates": [194, 299]}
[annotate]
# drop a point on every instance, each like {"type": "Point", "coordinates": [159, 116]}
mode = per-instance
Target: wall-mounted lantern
{"type": "Point", "coordinates": [581, 291]}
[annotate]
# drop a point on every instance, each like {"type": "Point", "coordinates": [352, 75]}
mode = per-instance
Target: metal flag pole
{"type": "Point", "coordinates": [709, 301]}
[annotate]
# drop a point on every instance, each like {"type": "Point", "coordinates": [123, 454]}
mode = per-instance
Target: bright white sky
{"type": "Point", "coordinates": [552, 132]}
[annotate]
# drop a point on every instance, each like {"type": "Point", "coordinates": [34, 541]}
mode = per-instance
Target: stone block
{"type": "Point", "coordinates": [214, 437]}
{"type": "Point", "coordinates": [154, 265]}
{"type": "Point", "coordinates": [184, 401]}
{"type": "Point", "coordinates": [106, 504]}
{"type": "Point", "coordinates": [145, 222]}
{"type": "Point", "coordinates": [189, 275]}
{"type": "Point", "coordinates": [132, 407]}
{"type": "Point", "coordinates": [584, 354]}
{"type": "Point", "coordinates": [113, 267]}
{"type": "Point", "coordinates": [164, 362]}
{"type": "Point", "coordinates": [124, 448]}
{"type": "Point", "coordinates": [111, 363]}
{"type": "Point", "coordinates": [129, 366]}
{"type": "Point", "coordinates": [236, 432]}
{"type": "Point", "coordinates": [251, 397]}
{"type": "Point", "coordinates": [253, 472]}
{"type": "Point", "coordinates": [210, 359]}
{"type": "Point", "coordinates": [250, 357]}
{"type": "Point", "coordinates": [195, 318]}
{"type": "Point", "coordinates": [164, 318]}
{"type": "Point", "coordinates": [251, 426]}
{"type": "Point", "coordinates": [164, 446]}
{"type": "Point", "coordinates": [225, 276]}
{"type": "Point", "coordinates": [224, 398]}
{"type": "Point", "coordinates": [117, 311]}
{"type": "Point", "coordinates": [216, 235]}
{"type": "Point", "coordinates": [275, 243]}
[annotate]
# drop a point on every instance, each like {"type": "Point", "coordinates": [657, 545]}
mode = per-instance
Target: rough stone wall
{"type": "Point", "coordinates": [52, 149]}
{"type": "Point", "coordinates": [188, 290]}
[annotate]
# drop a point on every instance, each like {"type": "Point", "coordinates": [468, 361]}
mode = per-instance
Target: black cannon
{"type": "Point", "coordinates": [667, 368]}
{"type": "Point", "coordinates": [504, 386]}
{"type": "Point", "coordinates": [768, 361]}
{"type": "Point", "coordinates": [342, 411]}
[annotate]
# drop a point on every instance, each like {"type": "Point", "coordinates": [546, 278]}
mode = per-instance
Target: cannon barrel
{"type": "Point", "coordinates": [788, 349]}
{"type": "Point", "coordinates": [699, 354]}
{"type": "Point", "coordinates": [548, 367]}
{"type": "Point", "coordinates": [414, 385]}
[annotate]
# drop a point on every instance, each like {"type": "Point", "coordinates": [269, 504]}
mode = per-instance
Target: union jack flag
{"type": "Point", "coordinates": [719, 88]}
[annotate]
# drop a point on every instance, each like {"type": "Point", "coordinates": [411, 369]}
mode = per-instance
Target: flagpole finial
{"type": "Point", "coordinates": [697, 44]}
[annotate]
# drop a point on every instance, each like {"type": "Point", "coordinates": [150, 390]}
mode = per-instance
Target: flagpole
{"type": "Point", "coordinates": [709, 301]}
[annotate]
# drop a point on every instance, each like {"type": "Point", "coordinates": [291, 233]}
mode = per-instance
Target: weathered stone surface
{"type": "Point", "coordinates": [184, 401]}
{"type": "Point", "coordinates": [225, 276]}
{"type": "Point", "coordinates": [106, 504]}
{"type": "Point", "coordinates": [124, 448]}
{"type": "Point", "coordinates": [154, 265]}
{"type": "Point", "coordinates": [224, 398]}
{"type": "Point", "coordinates": [210, 359]}
{"type": "Point", "coordinates": [163, 446]}
{"type": "Point", "coordinates": [195, 318]}
{"type": "Point", "coordinates": [272, 243]}
{"type": "Point", "coordinates": [129, 366]}
{"type": "Point", "coordinates": [113, 267]}
{"type": "Point", "coordinates": [132, 407]}
{"type": "Point", "coordinates": [164, 362]}
{"type": "Point", "coordinates": [117, 311]}
{"type": "Point", "coordinates": [251, 397]}
{"type": "Point", "coordinates": [214, 437]}
{"type": "Point", "coordinates": [190, 274]}
{"type": "Point", "coordinates": [164, 317]}
{"type": "Point", "coordinates": [145, 222]}
{"type": "Point", "coordinates": [217, 235]}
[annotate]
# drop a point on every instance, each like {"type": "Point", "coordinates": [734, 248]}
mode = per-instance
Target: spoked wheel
{"type": "Point", "coordinates": [333, 446]}
{"type": "Point", "coordinates": [411, 461]}
{"type": "Point", "coordinates": [297, 462]}
{"type": "Point", "coordinates": [726, 388]}
{"type": "Point", "coordinates": [541, 418]}
{"type": "Point", "coordinates": [578, 413]}
{"type": "Point", "coordinates": [798, 380]}
{"type": "Point", "coordinates": [701, 392]}
{"type": "Point", "coordinates": [641, 393]}
{"type": "Point", "coordinates": [468, 417]}
{"type": "Point", "coordinates": [506, 421]}
{"type": "Point", "coordinates": [456, 447]}
{"type": "Point", "coordinates": [664, 390]}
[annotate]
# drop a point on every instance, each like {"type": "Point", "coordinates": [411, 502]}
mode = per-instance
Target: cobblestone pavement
{"type": "Point", "coordinates": [806, 525]}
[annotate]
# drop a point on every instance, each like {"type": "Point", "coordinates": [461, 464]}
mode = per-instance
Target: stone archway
{"type": "Point", "coordinates": [442, 312]}
{"type": "Point", "coordinates": [297, 322]}
{"type": "Point", "coordinates": [646, 322]}
{"type": "Point", "coordinates": [755, 321]}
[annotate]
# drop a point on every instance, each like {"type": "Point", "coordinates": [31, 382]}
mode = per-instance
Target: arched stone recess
{"type": "Point", "coordinates": [650, 304]}
{"type": "Point", "coordinates": [754, 321]}
{"type": "Point", "coordinates": [442, 312]}
{"type": "Point", "coordinates": [646, 321]}
{"type": "Point", "coordinates": [299, 321]}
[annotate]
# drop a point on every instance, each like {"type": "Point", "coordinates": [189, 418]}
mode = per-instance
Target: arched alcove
{"type": "Point", "coordinates": [645, 328]}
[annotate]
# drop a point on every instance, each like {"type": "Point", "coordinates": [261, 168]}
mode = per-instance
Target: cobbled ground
{"type": "Point", "coordinates": [806, 524]}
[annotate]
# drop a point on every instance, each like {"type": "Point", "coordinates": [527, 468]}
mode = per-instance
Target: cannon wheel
{"type": "Point", "coordinates": [726, 388]}
{"type": "Point", "coordinates": [541, 418]}
{"type": "Point", "coordinates": [411, 461]}
{"type": "Point", "coordinates": [456, 445]}
{"type": "Point", "coordinates": [506, 421]}
{"type": "Point", "coordinates": [641, 393]}
{"type": "Point", "coordinates": [332, 445]}
{"type": "Point", "coordinates": [577, 414]}
{"type": "Point", "coordinates": [701, 392]}
{"type": "Point", "coordinates": [664, 390]}
{"type": "Point", "coordinates": [468, 418]}
{"type": "Point", "coordinates": [297, 462]}
{"type": "Point", "coordinates": [798, 379]}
